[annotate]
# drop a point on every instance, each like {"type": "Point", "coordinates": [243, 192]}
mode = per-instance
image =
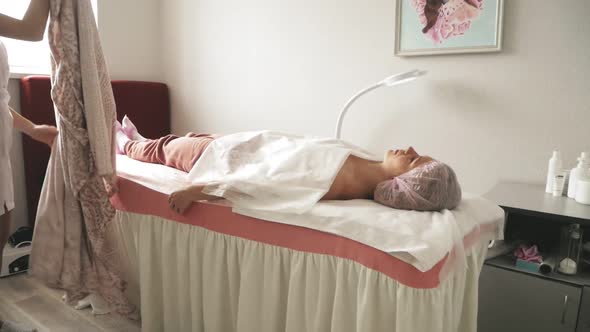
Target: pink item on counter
{"type": "Point", "coordinates": [528, 253]}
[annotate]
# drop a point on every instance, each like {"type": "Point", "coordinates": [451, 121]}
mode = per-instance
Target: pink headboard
{"type": "Point", "coordinates": [146, 103]}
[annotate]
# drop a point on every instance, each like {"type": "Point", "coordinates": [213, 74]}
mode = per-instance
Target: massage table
{"type": "Point", "coordinates": [212, 269]}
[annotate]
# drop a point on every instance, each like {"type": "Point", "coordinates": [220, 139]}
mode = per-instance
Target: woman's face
{"type": "Point", "coordinates": [398, 162]}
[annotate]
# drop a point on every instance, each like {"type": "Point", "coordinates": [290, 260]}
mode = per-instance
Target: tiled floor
{"type": "Point", "coordinates": [26, 301]}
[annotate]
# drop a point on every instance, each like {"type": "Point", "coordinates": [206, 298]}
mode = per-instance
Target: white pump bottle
{"type": "Point", "coordinates": [576, 173]}
{"type": "Point", "coordinates": [554, 167]}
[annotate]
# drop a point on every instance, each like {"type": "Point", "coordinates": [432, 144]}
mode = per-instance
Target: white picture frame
{"type": "Point", "coordinates": [482, 32]}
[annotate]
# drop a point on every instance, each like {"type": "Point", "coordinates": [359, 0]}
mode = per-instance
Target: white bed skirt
{"type": "Point", "coordinates": [193, 279]}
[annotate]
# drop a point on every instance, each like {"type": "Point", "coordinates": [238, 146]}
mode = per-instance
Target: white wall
{"type": "Point", "coordinates": [129, 32]}
{"type": "Point", "coordinates": [130, 37]}
{"type": "Point", "coordinates": [290, 65]}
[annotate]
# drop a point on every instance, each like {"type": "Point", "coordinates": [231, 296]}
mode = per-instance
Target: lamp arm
{"type": "Point", "coordinates": [350, 102]}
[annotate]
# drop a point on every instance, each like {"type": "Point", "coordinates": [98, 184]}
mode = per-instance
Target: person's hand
{"type": "Point", "coordinates": [180, 200]}
{"type": "Point", "coordinates": [111, 185]}
{"type": "Point", "coordinates": [44, 134]}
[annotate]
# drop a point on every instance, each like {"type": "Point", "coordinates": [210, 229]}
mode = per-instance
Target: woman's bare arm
{"type": "Point", "coordinates": [42, 133]}
{"type": "Point", "coordinates": [180, 200]}
{"type": "Point", "coordinates": [21, 123]}
{"type": "Point", "coordinates": [31, 27]}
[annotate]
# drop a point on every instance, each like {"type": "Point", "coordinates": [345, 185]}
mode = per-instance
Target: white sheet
{"type": "Point", "coordinates": [418, 238]}
{"type": "Point", "coordinates": [157, 177]}
{"type": "Point", "coordinates": [426, 236]}
{"type": "Point", "coordinates": [272, 171]}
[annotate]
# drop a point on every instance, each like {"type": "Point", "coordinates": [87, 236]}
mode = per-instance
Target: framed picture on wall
{"type": "Point", "coordinates": [425, 27]}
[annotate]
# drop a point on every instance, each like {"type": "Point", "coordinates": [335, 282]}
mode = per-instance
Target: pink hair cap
{"type": "Point", "coordinates": [429, 187]}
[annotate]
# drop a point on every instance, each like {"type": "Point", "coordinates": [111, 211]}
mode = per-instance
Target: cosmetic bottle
{"type": "Point", "coordinates": [558, 184]}
{"type": "Point", "coordinates": [554, 167]}
{"type": "Point", "coordinates": [583, 191]}
{"type": "Point", "coordinates": [576, 173]}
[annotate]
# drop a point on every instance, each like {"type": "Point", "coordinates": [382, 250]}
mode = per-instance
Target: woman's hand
{"type": "Point", "coordinates": [180, 200]}
{"type": "Point", "coordinates": [44, 134]}
{"type": "Point", "coordinates": [111, 185]}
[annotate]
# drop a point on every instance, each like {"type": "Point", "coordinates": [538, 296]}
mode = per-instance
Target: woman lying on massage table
{"type": "Point", "coordinates": [403, 180]}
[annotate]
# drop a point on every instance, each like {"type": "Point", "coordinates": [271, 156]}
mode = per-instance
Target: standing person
{"type": "Point", "coordinates": [30, 28]}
